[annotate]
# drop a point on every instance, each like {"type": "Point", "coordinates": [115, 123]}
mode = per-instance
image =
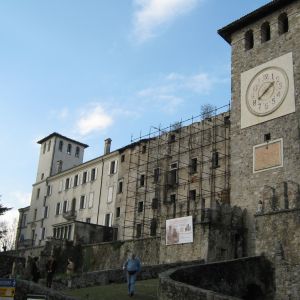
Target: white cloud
{"type": "Point", "coordinates": [94, 119]}
{"type": "Point", "coordinates": [169, 95]}
{"type": "Point", "coordinates": [199, 83]}
{"type": "Point", "coordinates": [150, 15]}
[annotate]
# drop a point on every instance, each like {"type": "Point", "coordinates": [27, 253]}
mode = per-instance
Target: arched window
{"type": "Point", "coordinates": [265, 32]}
{"type": "Point", "coordinates": [249, 41]}
{"type": "Point", "coordinates": [283, 23]}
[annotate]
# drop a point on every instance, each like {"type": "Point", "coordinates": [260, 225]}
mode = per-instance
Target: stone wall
{"type": "Point", "coordinates": [247, 278]}
{"type": "Point", "coordinates": [112, 255]}
{"type": "Point", "coordinates": [278, 237]}
{"type": "Point", "coordinates": [24, 287]}
{"type": "Point", "coordinates": [170, 289]}
{"type": "Point", "coordinates": [115, 275]}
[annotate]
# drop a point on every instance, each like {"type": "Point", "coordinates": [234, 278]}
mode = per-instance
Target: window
{"type": "Point", "coordinates": [44, 148]}
{"type": "Point", "coordinates": [265, 32]}
{"type": "Point", "coordinates": [46, 209]}
{"type": "Point", "coordinates": [93, 174]}
{"type": "Point", "coordinates": [122, 157]}
{"type": "Point", "coordinates": [65, 206]}
{"type": "Point", "coordinates": [38, 193]}
{"type": "Point", "coordinates": [59, 164]}
{"type": "Point", "coordinates": [76, 180]}
{"type": "Point", "coordinates": [283, 24]}
{"type": "Point", "coordinates": [69, 149]}
{"type": "Point", "coordinates": [49, 146]}
{"type": "Point", "coordinates": [249, 41]}
{"type": "Point", "coordinates": [84, 177]}
{"type": "Point", "coordinates": [57, 210]}
{"type": "Point", "coordinates": [107, 221]}
{"type": "Point", "coordinates": [77, 151]}
{"type": "Point", "coordinates": [43, 233]}
{"type": "Point", "coordinates": [215, 160]}
{"type": "Point", "coordinates": [155, 203]}
{"type": "Point", "coordinates": [54, 232]}
{"type": "Point", "coordinates": [110, 195]}
{"type": "Point", "coordinates": [60, 187]}
{"type": "Point", "coordinates": [173, 198]}
{"type": "Point", "coordinates": [49, 190]}
{"type": "Point", "coordinates": [138, 230]}
{"type": "Point", "coordinates": [172, 176]}
{"type": "Point", "coordinates": [69, 232]}
{"type": "Point", "coordinates": [156, 175]}
{"type": "Point", "coordinates": [172, 138]}
{"type": "Point", "coordinates": [153, 226]}
{"type": "Point", "coordinates": [60, 146]}
{"type": "Point", "coordinates": [118, 212]}
{"type": "Point", "coordinates": [88, 220]}
{"type": "Point", "coordinates": [34, 214]}
{"type": "Point", "coordinates": [113, 167]}
{"type": "Point", "coordinates": [120, 186]}
{"type": "Point", "coordinates": [193, 166]}
{"type": "Point", "coordinates": [82, 202]}
{"type": "Point", "coordinates": [142, 180]}
{"type": "Point", "coordinates": [227, 120]}
{"type": "Point", "coordinates": [23, 223]}
{"type": "Point", "coordinates": [267, 137]}
{"type": "Point", "coordinates": [91, 199]}
{"type": "Point", "coordinates": [192, 195]}
{"type": "Point", "coordinates": [144, 149]}
{"type": "Point", "coordinates": [67, 183]}
{"type": "Point", "coordinates": [140, 206]}
{"type": "Point", "coordinates": [42, 176]}
{"type": "Point", "coordinates": [73, 205]}
{"type": "Point", "coordinates": [65, 229]}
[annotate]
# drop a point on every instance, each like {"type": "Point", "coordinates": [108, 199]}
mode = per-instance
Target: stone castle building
{"type": "Point", "coordinates": [231, 177]}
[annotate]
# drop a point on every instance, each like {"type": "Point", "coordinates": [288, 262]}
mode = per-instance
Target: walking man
{"type": "Point", "coordinates": [132, 267]}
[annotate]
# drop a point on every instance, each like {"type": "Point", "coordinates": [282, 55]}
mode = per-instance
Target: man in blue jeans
{"type": "Point", "coordinates": [132, 267]}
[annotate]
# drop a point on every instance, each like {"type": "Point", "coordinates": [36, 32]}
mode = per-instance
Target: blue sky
{"type": "Point", "coordinates": [96, 69]}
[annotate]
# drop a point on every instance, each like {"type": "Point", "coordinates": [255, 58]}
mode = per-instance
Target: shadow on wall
{"type": "Point", "coordinates": [250, 278]}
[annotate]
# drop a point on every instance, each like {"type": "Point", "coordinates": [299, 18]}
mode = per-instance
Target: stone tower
{"type": "Point", "coordinates": [265, 113]}
{"type": "Point", "coordinates": [57, 154]}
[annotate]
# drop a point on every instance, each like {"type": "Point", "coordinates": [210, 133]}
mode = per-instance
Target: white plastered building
{"type": "Point", "coordinates": [69, 196]}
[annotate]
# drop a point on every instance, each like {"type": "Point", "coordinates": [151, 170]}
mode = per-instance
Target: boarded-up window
{"type": "Point", "coordinates": [110, 194]}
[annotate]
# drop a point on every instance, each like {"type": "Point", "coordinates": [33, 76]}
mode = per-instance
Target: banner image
{"type": "Point", "coordinates": [7, 288]}
{"type": "Point", "coordinates": [179, 230]}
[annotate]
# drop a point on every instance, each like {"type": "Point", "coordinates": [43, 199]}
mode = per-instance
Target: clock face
{"type": "Point", "coordinates": [266, 91]}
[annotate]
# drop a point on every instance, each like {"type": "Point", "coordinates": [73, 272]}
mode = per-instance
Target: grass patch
{"type": "Point", "coordinates": [145, 290]}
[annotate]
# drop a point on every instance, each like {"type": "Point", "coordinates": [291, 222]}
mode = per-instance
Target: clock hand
{"type": "Point", "coordinates": [266, 90]}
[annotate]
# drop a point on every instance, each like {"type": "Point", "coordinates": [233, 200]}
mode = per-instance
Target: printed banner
{"type": "Point", "coordinates": [179, 230]}
{"type": "Point", "coordinates": [7, 288]}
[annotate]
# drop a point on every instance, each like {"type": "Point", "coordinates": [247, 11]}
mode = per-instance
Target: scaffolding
{"type": "Point", "coordinates": [180, 170]}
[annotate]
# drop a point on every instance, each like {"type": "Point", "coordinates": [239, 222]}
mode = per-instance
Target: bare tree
{"type": "Point", "coordinates": [3, 210]}
{"type": "Point", "coordinates": [7, 242]}
{"type": "Point", "coordinates": [207, 110]}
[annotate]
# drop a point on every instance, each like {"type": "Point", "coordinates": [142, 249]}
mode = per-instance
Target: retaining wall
{"type": "Point", "coordinates": [247, 278]}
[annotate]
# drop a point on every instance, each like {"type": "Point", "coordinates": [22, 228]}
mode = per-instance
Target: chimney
{"type": "Point", "coordinates": [107, 144]}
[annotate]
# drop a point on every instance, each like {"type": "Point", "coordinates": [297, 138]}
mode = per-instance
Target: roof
{"type": "Point", "coordinates": [257, 14]}
{"type": "Point", "coordinates": [60, 136]}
